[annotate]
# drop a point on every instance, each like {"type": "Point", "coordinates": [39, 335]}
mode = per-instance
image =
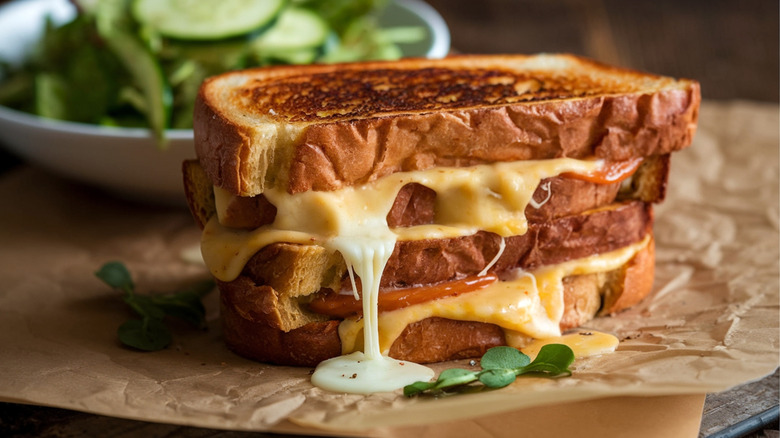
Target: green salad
{"type": "Point", "coordinates": [139, 63]}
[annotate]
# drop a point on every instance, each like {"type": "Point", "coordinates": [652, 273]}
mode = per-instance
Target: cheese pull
{"type": "Point", "coordinates": [368, 371]}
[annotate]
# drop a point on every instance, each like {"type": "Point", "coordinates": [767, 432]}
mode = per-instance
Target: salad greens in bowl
{"type": "Point", "coordinates": [102, 91]}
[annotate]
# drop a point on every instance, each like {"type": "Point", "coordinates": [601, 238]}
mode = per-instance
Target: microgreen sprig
{"type": "Point", "coordinates": [500, 367]}
{"type": "Point", "coordinates": [150, 332]}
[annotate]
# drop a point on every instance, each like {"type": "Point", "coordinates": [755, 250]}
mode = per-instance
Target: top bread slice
{"type": "Point", "coordinates": [324, 127]}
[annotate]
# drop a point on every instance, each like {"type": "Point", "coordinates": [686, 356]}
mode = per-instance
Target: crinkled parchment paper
{"type": "Point", "coordinates": [711, 324]}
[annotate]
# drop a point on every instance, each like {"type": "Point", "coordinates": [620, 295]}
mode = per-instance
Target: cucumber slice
{"type": "Point", "coordinates": [296, 28]}
{"type": "Point", "coordinates": [203, 19]}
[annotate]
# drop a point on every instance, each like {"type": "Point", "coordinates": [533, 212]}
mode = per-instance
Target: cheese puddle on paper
{"type": "Point", "coordinates": [368, 371]}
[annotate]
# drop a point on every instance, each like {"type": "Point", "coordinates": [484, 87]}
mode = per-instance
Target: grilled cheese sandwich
{"type": "Point", "coordinates": [444, 196]}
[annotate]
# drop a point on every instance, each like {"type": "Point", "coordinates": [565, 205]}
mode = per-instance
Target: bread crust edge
{"type": "Point", "coordinates": [327, 155]}
{"type": "Point", "coordinates": [433, 339]}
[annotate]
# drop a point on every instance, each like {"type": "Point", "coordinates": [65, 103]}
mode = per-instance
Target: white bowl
{"type": "Point", "coordinates": [126, 161]}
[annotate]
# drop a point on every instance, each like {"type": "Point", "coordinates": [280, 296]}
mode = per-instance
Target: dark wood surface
{"type": "Point", "coordinates": [731, 47]}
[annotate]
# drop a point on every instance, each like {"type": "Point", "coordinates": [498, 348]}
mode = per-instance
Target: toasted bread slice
{"type": "Point", "coordinates": [199, 192]}
{"type": "Point", "coordinates": [324, 127]}
{"type": "Point", "coordinates": [414, 203]}
{"type": "Point", "coordinates": [282, 278]}
{"type": "Point", "coordinates": [249, 330]}
{"type": "Point", "coordinates": [295, 270]}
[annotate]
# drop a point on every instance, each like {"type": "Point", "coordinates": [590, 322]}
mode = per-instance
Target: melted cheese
{"type": "Point", "coordinates": [501, 248]}
{"type": "Point", "coordinates": [527, 305]}
{"type": "Point", "coordinates": [353, 222]}
{"type": "Point", "coordinates": [366, 251]}
{"type": "Point", "coordinates": [490, 197]}
{"type": "Point", "coordinates": [583, 343]}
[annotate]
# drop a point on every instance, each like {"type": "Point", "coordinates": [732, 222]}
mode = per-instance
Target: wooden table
{"type": "Point", "coordinates": [731, 48]}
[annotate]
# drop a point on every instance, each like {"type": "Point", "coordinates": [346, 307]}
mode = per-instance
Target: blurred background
{"type": "Point", "coordinates": [730, 46]}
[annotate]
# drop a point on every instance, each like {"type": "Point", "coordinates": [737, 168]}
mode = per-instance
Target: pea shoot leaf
{"type": "Point", "coordinates": [146, 334]}
{"type": "Point", "coordinates": [150, 332]}
{"type": "Point", "coordinates": [497, 377]}
{"type": "Point", "coordinates": [504, 357]}
{"type": "Point", "coordinates": [418, 387]}
{"type": "Point", "coordinates": [116, 275]}
{"type": "Point", "coordinates": [500, 367]}
{"type": "Point", "coordinates": [455, 376]}
{"type": "Point", "coordinates": [551, 360]}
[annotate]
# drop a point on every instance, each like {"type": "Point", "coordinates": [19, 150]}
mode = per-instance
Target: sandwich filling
{"type": "Point", "coordinates": [490, 197]}
{"type": "Point", "coordinates": [352, 221]}
{"type": "Point", "coordinates": [528, 305]}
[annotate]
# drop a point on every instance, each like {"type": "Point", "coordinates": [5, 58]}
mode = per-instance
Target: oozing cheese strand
{"type": "Point", "coordinates": [357, 373]}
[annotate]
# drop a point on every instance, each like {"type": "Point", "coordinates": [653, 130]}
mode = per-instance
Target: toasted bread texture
{"type": "Point", "coordinates": [577, 222]}
{"type": "Point", "coordinates": [248, 333]}
{"type": "Point", "coordinates": [327, 127]}
{"type": "Point", "coordinates": [414, 204]}
{"type": "Point", "coordinates": [280, 280]}
{"type": "Point", "coordinates": [324, 127]}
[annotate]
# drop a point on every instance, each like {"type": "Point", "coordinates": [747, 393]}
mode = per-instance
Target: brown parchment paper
{"type": "Point", "coordinates": [712, 322]}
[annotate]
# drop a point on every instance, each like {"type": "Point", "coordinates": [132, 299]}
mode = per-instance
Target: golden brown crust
{"type": "Point", "coordinates": [567, 238]}
{"type": "Point", "coordinates": [305, 346]}
{"type": "Point", "coordinates": [331, 156]}
{"type": "Point", "coordinates": [264, 304]}
{"type": "Point", "coordinates": [648, 183]}
{"type": "Point", "coordinates": [321, 128]}
{"type": "Point", "coordinates": [220, 147]}
{"type": "Point", "coordinates": [199, 192]}
{"type": "Point", "coordinates": [246, 142]}
{"type": "Point", "coordinates": [414, 205]}
{"type": "Point", "coordinates": [568, 196]}
{"type": "Point", "coordinates": [369, 89]}
{"type": "Point", "coordinates": [432, 339]}
{"type": "Point", "coordinates": [439, 339]}
{"type": "Point", "coordinates": [433, 261]}
{"type": "Point", "coordinates": [632, 284]}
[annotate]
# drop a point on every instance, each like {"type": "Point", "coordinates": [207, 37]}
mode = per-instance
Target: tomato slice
{"type": "Point", "coordinates": [612, 172]}
{"type": "Point", "coordinates": [343, 305]}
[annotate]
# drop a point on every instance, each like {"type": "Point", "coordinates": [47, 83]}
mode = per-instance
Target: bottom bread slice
{"type": "Point", "coordinates": [432, 339]}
